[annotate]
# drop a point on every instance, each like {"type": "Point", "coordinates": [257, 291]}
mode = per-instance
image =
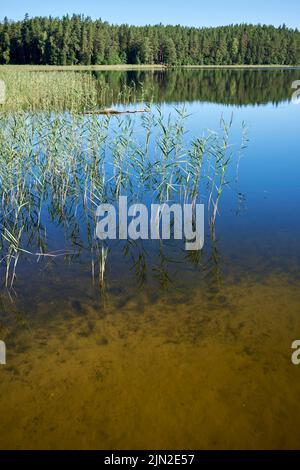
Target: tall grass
{"type": "Point", "coordinates": [55, 169]}
{"type": "Point", "coordinates": [61, 91]}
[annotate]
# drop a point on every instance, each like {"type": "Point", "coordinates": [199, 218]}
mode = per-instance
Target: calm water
{"type": "Point", "coordinates": [177, 351]}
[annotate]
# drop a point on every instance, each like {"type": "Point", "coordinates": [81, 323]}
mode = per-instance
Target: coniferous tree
{"type": "Point", "coordinates": [80, 40]}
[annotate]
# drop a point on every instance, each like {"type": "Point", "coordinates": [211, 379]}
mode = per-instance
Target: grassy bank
{"type": "Point", "coordinates": [60, 90]}
{"type": "Point", "coordinates": [78, 68]}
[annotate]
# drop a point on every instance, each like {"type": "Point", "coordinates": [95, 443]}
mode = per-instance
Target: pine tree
{"type": "Point", "coordinates": [79, 40]}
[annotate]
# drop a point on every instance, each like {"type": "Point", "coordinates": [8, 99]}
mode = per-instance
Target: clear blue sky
{"type": "Point", "coordinates": [186, 12]}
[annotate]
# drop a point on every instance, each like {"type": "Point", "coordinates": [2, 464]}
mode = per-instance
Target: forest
{"type": "Point", "coordinates": [79, 40]}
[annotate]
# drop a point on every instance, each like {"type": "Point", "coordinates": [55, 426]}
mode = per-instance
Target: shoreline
{"type": "Point", "coordinates": [128, 67]}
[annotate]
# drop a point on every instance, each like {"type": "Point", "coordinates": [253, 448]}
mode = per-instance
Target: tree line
{"type": "Point", "coordinates": [77, 39]}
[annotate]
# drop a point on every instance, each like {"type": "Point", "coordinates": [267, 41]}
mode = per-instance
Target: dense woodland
{"type": "Point", "coordinates": [80, 40]}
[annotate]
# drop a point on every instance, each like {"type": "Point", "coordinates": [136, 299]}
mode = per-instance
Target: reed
{"type": "Point", "coordinates": [56, 168]}
{"type": "Point", "coordinates": [60, 91]}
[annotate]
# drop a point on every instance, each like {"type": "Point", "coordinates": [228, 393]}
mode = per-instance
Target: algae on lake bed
{"type": "Point", "coordinates": [154, 373]}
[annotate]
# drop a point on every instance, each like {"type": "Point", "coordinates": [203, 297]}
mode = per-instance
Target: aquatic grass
{"type": "Point", "coordinates": [55, 169]}
{"type": "Point", "coordinates": [221, 153]}
{"type": "Point", "coordinates": [65, 91]}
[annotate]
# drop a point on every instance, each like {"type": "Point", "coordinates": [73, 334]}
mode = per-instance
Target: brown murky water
{"type": "Point", "coordinates": [211, 371]}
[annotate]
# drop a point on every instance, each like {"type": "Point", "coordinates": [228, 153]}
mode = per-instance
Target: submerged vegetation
{"type": "Point", "coordinates": [55, 169]}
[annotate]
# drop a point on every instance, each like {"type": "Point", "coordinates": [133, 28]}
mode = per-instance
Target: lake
{"type": "Point", "coordinates": [143, 345]}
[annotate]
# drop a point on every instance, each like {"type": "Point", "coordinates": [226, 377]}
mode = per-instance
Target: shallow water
{"type": "Point", "coordinates": [174, 351]}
